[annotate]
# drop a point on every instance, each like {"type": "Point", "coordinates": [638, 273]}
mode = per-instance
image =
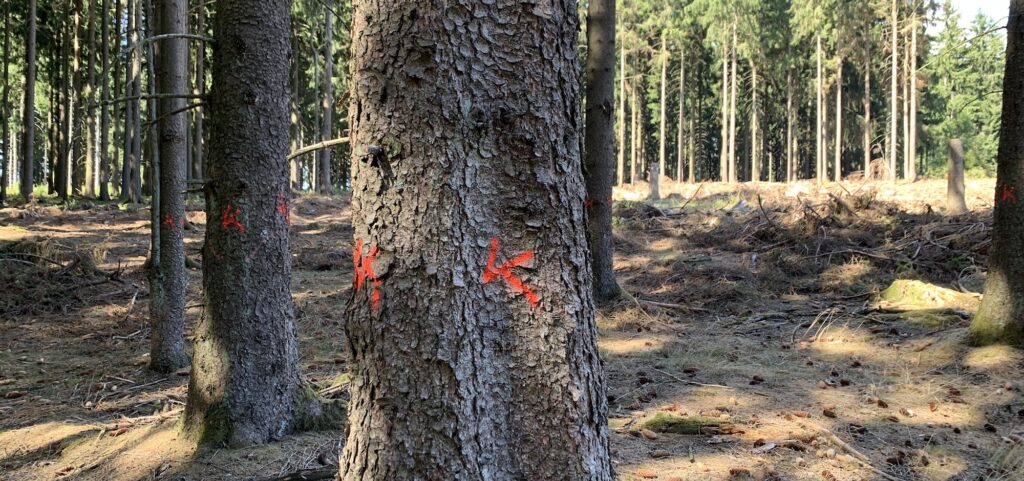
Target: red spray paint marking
{"type": "Point", "coordinates": [170, 222]}
{"type": "Point", "coordinates": [1007, 194]}
{"type": "Point", "coordinates": [588, 203]}
{"type": "Point", "coordinates": [364, 272]}
{"type": "Point", "coordinates": [505, 272]}
{"type": "Point", "coordinates": [230, 218]}
{"type": "Point", "coordinates": [282, 207]}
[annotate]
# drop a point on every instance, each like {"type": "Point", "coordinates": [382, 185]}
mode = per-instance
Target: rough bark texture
{"type": "Point", "coordinates": [894, 26]}
{"type": "Point", "coordinates": [104, 131]}
{"type": "Point", "coordinates": [867, 118]}
{"type": "Point", "coordinates": [466, 147]}
{"type": "Point", "coordinates": [167, 305]}
{"type": "Point", "coordinates": [28, 124]}
{"type": "Point", "coordinates": [681, 123]}
{"type": "Point", "coordinates": [245, 384]}
{"type": "Point", "coordinates": [733, 174]}
{"type": "Point", "coordinates": [327, 105]}
{"type": "Point", "coordinates": [5, 109]}
{"type": "Point", "coordinates": [621, 165]}
{"type": "Point", "coordinates": [663, 111]}
{"type": "Point", "coordinates": [198, 139]}
{"type": "Point", "coordinates": [912, 85]}
{"type": "Point", "coordinates": [599, 148]}
{"type": "Point", "coordinates": [956, 204]}
{"type": "Point", "coordinates": [723, 151]}
{"type": "Point", "coordinates": [838, 172]}
{"type": "Point", "coordinates": [819, 123]}
{"type": "Point", "coordinates": [1001, 315]}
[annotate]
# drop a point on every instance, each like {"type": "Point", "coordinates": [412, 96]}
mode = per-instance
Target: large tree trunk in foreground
{"type": "Point", "coordinates": [956, 204]}
{"type": "Point", "coordinates": [245, 385]}
{"type": "Point", "coordinates": [28, 124]}
{"type": "Point", "coordinates": [471, 324]}
{"type": "Point", "coordinates": [600, 151]}
{"type": "Point", "coordinates": [167, 305]}
{"type": "Point", "coordinates": [1001, 315]}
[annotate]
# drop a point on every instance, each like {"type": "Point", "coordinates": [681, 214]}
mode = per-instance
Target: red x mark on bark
{"type": "Point", "coordinates": [230, 218]}
{"type": "Point", "coordinates": [171, 224]}
{"type": "Point", "coordinates": [504, 271]}
{"type": "Point", "coordinates": [282, 207]}
{"type": "Point", "coordinates": [364, 272]}
{"type": "Point", "coordinates": [1007, 194]}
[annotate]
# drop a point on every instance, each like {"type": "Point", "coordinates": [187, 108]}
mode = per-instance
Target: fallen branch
{"type": "Point", "coordinates": [692, 383]}
{"type": "Point", "coordinates": [857, 456]}
{"type": "Point", "coordinates": [319, 146]}
{"type": "Point", "coordinates": [319, 474]}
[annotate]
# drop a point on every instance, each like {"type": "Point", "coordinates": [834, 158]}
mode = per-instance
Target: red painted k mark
{"type": "Point", "coordinates": [504, 271]}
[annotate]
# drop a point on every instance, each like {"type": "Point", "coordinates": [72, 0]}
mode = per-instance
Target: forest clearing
{"type": "Point", "coordinates": [758, 340]}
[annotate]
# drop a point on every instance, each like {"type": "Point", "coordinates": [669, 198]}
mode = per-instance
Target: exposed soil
{"type": "Point", "coordinates": [760, 339]}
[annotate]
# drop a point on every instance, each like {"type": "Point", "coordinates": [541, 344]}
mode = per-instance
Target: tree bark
{"type": "Point", "coordinates": [104, 158]}
{"type": "Point", "coordinates": [868, 174]}
{"type": "Point", "coordinates": [5, 109]}
{"type": "Point", "coordinates": [819, 123]}
{"type": "Point", "coordinates": [912, 85]}
{"type": "Point", "coordinates": [663, 113]}
{"type": "Point", "coordinates": [755, 147]}
{"type": "Point", "coordinates": [838, 173]}
{"type": "Point", "coordinates": [956, 204]}
{"type": "Point", "coordinates": [790, 154]}
{"type": "Point", "coordinates": [905, 85]}
{"type": "Point", "coordinates": [327, 119]}
{"type": "Point", "coordinates": [198, 141]}
{"type": "Point", "coordinates": [621, 161]}
{"type": "Point", "coordinates": [681, 123]}
{"type": "Point", "coordinates": [152, 177]}
{"type": "Point", "coordinates": [635, 135]}
{"type": "Point", "coordinates": [168, 278]}
{"type": "Point", "coordinates": [29, 122]}
{"type": "Point", "coordinates": [733, 175]}
{"type": "Point", "coordinates": [471, 325]}
{"type": "Point", "coordinates": [245, 386]}
{"type": "Point", "coordinates": [92, 143]}
{"type": "Point", "coordinates": [600, 70]}
{"type": "Point", "coordinates": [1001, 315]}
{"type": "Point", "coordinates": [723, 154]}
{"type": "Point", "coordinates": [894, 25]}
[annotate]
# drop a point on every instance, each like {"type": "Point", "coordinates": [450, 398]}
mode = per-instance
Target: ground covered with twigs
{"type": "Point", "coordinates": [788, 332]}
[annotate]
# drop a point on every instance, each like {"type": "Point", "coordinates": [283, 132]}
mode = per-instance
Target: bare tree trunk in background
{"type": "Point", "coordinates": [723, 154]}
{"type": "Point", "coordinates": [790, 154]}
{"type": "Point", "coordinates": [28, 124]}
{"type": "Point", "coordinates": [681, 123]}
{"type": "Point", "coordinates": [152, 187]}
{"type": "Point", "coordinates": [663, 112]}
{"type": "Point", "coordinates": [894, 25]}
{"type": "Point", "coordinates": [137, 104]}
{"type": "Point", "coordinates": [956, 204]}
{"type": "Point", "coordinates": [912, 81]}
{"type": "Point", "coordinates": [295, 165]}
{"type": "Point", "coordinates": [600, 152]}
{"type": "Point", "coordinates": [245, 386]}
{"type": "Point", "coordinates": [755, 147]}
{"type": "Point", "coordinates": [506, 281]}
{"type": "Point", "coordinates": [128, 193]}
{"type": "Point", "coordinates": [326, 127]}
{"type": "Point", "coordinates": [5, 109]}
{"type": "Point", "coordinates": [620, 170]}
{"type": "Point", "coordinates": [906, 109]}
{"type": "Point", "coordinates": [867, 117]}
{"type": "Point", "coordinates": [1000, 318]}
{"type": "Point", "coordinates": [76, 177]}
{"type": "Point", "coordinates": [733, 174]}
{"type": "Point", "coordinates": [198, 142]}
{"type": "Point", "coordinates": [819, 126]}
{"type": "Point", "coordinates": [838, 173]}
{"type": "Point", "coordinates": [120, 110]}
{"type": "Point", "coordinates": [104, 160]}
{"type": "Point", "coordinates": [168, 277]}
{"type": "Point", "coordinates": [634, 135]}
{"type": "Point", "coordinates": [92, 155]}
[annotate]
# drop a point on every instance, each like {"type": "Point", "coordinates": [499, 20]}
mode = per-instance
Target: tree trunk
{"type": "Point", "coordinates": [327, 106]}
{"type": "Point", "coordinates": [152, 134]}
{"type": "Point", "coordinates": [681, 122]}
{"type": "Point", "coordinates": [245, 386]}
{"type": "Point", "coordinates": [1001, 315]}
{"type": "Point", "coordinates": [634, 135]}
{"type": "Point", "coordinates": [663, 113]}
{"type": "Point", "coordinates": [600, 70]}
{"type": "Point", "coordinates": [819, 123]}
{"type": "Point", "coordinates": [68, 119]}
{"type": "Point", "coordinates": [894, 25]}
{"type": "Point", "coordinates": [104, 159]}
{"type": "Point", "coordinates": [906, 109]}
{"type": "Point", "coordinates": [136, 118]}
{"type": "Point", "coordinates": [76, 177]}
{"type": "Point", "coordinates": [5, 109]}
{"type": "Point", "coordinates": [92, 153]}
{"type": "Point", "coordinates": [867, 118]}
{"type": "Point", "coordinates": [838, 173]}
{"type": "Point", "coordinates": [956, 204]}
{"type": "Point", "coordinates": [621, 161]}
{"type": "Point", "coordinates": [471, 325]}
{"type": "Point", "coordinates": [197, 166]}
{"type": "Point", "coordinates": [168, 278]}
{"type": "Point", "coordinates": [912, 85]}
{"type": "Point", "coordinates": [29, 122]}
{"type": "Point", "coordinates": [790, 154]}
{"type": "Point", "coordinates": [755, 148]}
{"type": "Point", "coordinates": [733, 175]}
{"type": "Point", "coordinates": [723, 154]}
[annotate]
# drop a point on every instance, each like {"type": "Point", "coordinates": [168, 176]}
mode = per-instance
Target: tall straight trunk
{"type": "Point", "coordinates": [120, 109]}
{"type": "Point", "coordinates": [906, 109]}
{"type": "Point", "coordinates": [912, 85]}
{"type": "Point", "coordinates": [5, 109]}
{"type": "Point", "coordinates": [92, 143]}
{"type": "Point", "coordinates": [600, 71]}
{"type": "Point", "coordinates": [692, 158]}
{"type": "Point", "coordinates": [128, 150]}
{"type": "Point", "coordinates": [68, 119]}
{"type": "Point", "coordinates": [867, 118]}
{"type": "Point", "coordinates": [327, 104]}
{"type": "Point", "coordinates": [733, 174]}
{"type": "Point", "coordinates": [153, 156]}
{"type": "Point", "coordinates": [1001, 315]}
{"type": "Point", "coordinates": [956, 204]}
{"type": "Point", "coordinates": [620, 170]}
{"type": "Point", "coordinates": [28, 124]}
{"type": "Point", "coordinates": [76, 79]}
{"type": "Point", "coordinates": [461, 369]}
{"type": "Point", "coordinates": [681, 122]}
{"type": "Point", "coordinates": [168, 278]}
{"type": "Point", "coordinates": [245, 386]}
{"type": "Point", "coordinates": [755, 147]}
{"type": "Point", "coordinates": [663, 111]}
{"type": "Point", "coordinates": [198, 142]}
{"type": "Point", "coordinates": [819, 129]}
{"type": "Point", "coordinates": [790, 154]}
{"type": "Point", "coordinates": [295, 165]}
{"type": "Point", "coordinates": [838, 173]}
{"type": "Point", "coordinates": [894, 25]}
{"type": "Point", "coordinates": [634, 136]}
{"type": "Point", "coordinates": [104, 154]}
{"type": "Point", "coordinates": [723, 161]}
{"type": "Point", "coordinates": [137, 104]}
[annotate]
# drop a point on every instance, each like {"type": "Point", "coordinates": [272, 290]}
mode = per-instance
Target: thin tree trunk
{"type": "Point", "coordinates": [327, 119]}
{"type": "Point", "coordinates": [733, 174]}
{"type": "Point", "coordinates": [912, 81]}
{"type": "Point", "coordinates": [894, 25]}
{"type": "Point", "coordinates": [5, 109]}
{"type": "Point", "coordinates": [723, 162]}
{"type": "Point", "coordinates": [137, 105]}
{"type": "Point", "coordinates": [245, 386]}
{"type": "Point", "coordinates": [1001, 315]}
{"type": "Point", "coordinates": [838, 173]}
{"type": "Point", "coordinates": [956, 204]}
{"type": "Point", "coordinates": [621, 161]}
{"type": "Point", "coordinates": [120, 112]}
{"type": "Point", "coordinates": [906, 109]}
{"type": "Point", "coordinates": [681, 123]}
{"type": "Point", "coordinates": [600, 70]}
{"type": "Point", "coordinates": [634, 135]}
{"type": "Point", "coordinates": [790, 169]}
{"type": "Point", "coordinates": [76, 174]}
{"type": "Point", "coordinates": [867, 118]}
{"type": "Point", "coordinates": [819, 123]}
{"type": "Point", "coordinates": [153, 169]}
{"type": "Point", "coordinates": [29, 122]}
{"type": "Point", "coordinates": [663, 113]}
{"type": "Point", "coordinates": [104, 159]}
{"type": "Point", "coordinates": [127, 162]}
{"type": "Point", "coordinates": [461, 370]}
{"type": "Point", "coordinates": [92, 142]}
{"type": "Point", "coordinates": [755, 147]}
{"type": "Point", "coordinates": [198, 142]}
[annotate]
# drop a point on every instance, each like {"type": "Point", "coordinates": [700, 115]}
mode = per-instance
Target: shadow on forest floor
{"type": "Point", "coordinates": [754, 307]}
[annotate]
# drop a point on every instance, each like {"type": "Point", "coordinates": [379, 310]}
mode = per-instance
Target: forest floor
{"type": "Point", "coordinates": [789, 332]}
